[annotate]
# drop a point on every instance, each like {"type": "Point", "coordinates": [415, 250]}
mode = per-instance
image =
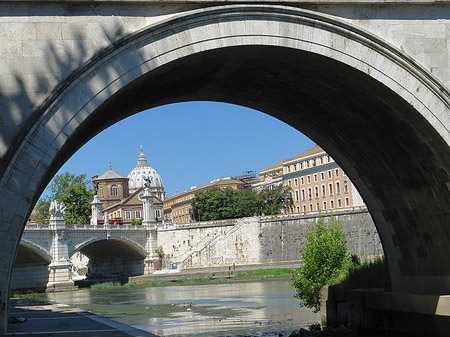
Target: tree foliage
{"type": "Point", "coordinates": [324, 256]}
{"type": "Point", "coordinates": [77, 201]}
{"type": "Point", "coordinates": [70, 189]}
{"type": "Point", "coordinates": [272, 200]}
{"type": "Point", "coordinates": [43, 211]}
{"type": "Point", "coordinates": [226, 203]}
{"type": "Point", "coordinates": [61, 183]}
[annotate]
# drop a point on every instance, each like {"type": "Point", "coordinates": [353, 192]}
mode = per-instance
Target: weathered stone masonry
{"type": "Point", "coordinates": [261, 240]}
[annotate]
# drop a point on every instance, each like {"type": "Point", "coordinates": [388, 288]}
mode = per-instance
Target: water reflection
{"type": "Point", "coordinates": [250, 308]}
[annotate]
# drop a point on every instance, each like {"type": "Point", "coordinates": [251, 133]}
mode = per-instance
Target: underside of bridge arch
{"type": "Point", "coordinates": [30, 269]}
{"type": "Point", "coordinates": [113, 258]}
{"type": "Point", "coordinates": [398, 162]}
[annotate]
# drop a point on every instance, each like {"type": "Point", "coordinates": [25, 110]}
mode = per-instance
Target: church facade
{"type": "Point", "coordinates": [120, 195]}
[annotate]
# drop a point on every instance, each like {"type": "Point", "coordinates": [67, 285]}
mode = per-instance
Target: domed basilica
{"type": "Point", "coordinates": [120, 195]}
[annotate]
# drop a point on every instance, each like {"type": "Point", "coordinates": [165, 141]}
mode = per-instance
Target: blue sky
{"type": "Point", "coordinates": [190, 144]}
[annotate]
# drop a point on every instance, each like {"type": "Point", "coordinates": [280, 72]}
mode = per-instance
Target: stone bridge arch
{"type": "Point", "coordinates": [133, 246]}
{"type": "Point", "coordinates": [31, 267]}
{"type": "Point", "coordinates": [43, 253]}
{"type": "Point", "coordinates": [114, 256]}
{"type": "Point", "coordinates": [378, 113]}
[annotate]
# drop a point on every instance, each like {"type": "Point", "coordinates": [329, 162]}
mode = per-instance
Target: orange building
{"type": "Point", "coordinates": [316, 182]}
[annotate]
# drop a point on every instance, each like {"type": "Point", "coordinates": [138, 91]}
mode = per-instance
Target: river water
{"type": "Point", "coordinates": [260, 308]}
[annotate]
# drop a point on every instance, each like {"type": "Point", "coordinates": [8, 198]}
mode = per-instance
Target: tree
{"type": "Point", "coordinates": [214, 204]}
{"type": "Point", "coordinates": [246, 203]}
{"type": "Point", "coordinates": [226, 203]}
{"type": "Point", "coordinates": [77, 201]}
{"type": "Point", "coordinates": [61, 183]}
{"type": "Point", "coordinates": [43, 211]}
{"type": "Point", "coordinates": [273, 200]}
{"type": "Point", "coordinates": [70, 189]}
{"type": "Point", "coordinates": [160, 252]}
{"type": "Point", "coordinates": [324, 256]}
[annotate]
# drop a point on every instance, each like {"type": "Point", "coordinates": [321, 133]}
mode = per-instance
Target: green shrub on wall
{"type": "Point", "coordinates": [324, 257]}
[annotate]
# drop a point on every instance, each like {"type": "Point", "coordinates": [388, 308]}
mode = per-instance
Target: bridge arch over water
{"type": "Point", "coordinates": [382, 117]}
{"type": "Point", "coordinates": [31, 253]}
{"type": "Point", "coordinates": [115, 256]}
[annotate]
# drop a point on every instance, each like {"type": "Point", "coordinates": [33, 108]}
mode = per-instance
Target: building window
{"type": "Point", "coordinates": [137, 214]}
{"type": "Point", "coordinates": [345, 182]}
{"type": "Point", "coordinates": [328, 158]}
{"type": "Point", "coordinates": [309, 193]}
{"type": "Point", "coordinates": [295, 182]}
{"type": "Point", "coordinates": [315, 178]}
{"type": "Point", "coordinates": [298, 209]}
{"type": "Point", "coordinates": [302, 180]}
{"type": "Point", "coordinates": [338, 188]}
{"type": "Point", "coordinates": [339, 203]}
{"type": "Point", "coordinates": [336, 173]}
{"type": "Point", "coordinates": [158, 213]}
{"type": "Point", "coordinates": [301, 166]}
{"type": "Point", "coordinates": [321, 160]}
{"type": "Point", "coordinates": [309, 179]}
{"type": "Point", "coordinates": [323, 191]}
{"type": "Point", "coordinates": [324, 205]}
{"type": "Point", "coordinates": [347, 202]}
{"type": "Point", "coordinates": [127, 215]}
{"type": "Point", "coordinates": [329, 175]}
{"type": "Point", "coordinates": [310, 207]}
{"type": "Point", "coordinates": [289, 183]}
{"type": "Point", "coordinates": [330, 189]}
{"type": "Point", "coordinates": [316, 192]}
{"type": "Point", "coordinates": [322, 176]}
{"type": "Point", "coordinates": [307, 163]}
{"type": "Point", "coordinates": [304, 208]}
{"type": "Point", "coordinates": [303, 194]}
{"type": "Point", "coordinates": [296, 195]}
{"type": "Point", "coordinates": [331, 204]}
{"type": "Point", "coordinates": [100, 190]}
{"type": "Point", "coordinates": [114, 191]}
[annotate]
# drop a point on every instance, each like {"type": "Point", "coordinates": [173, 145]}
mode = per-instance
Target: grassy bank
{"type": "Point", "coordinates": [253, 275]}
{"type": "Point", "coordinates": [33, 296]}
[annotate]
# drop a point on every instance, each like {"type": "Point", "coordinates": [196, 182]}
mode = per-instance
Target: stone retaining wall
{"type": "Point", "coordinates": [262, 240]}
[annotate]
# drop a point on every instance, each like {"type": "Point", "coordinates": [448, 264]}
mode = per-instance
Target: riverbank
{"type": "Point", "coordinates": [211, 272]}
{"type": "Point", "coordinates": [198, 278]}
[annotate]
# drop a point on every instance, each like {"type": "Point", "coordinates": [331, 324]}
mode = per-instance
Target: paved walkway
{"type": "Point", "coordinates": [58, 320]}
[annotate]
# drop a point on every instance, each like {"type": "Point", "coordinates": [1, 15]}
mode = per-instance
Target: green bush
{"type": "Point", "coordinates": [136, 222]}
{"type": "Point", "coordinates": [105, 285]}
{"type": "Point", "coordinates": [324, 257]}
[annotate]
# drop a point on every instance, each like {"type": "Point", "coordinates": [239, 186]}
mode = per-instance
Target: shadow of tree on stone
{"type": "Point", "coordinates": [367, 274]}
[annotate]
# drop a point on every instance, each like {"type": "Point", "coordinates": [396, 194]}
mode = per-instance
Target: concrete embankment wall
{"type": "Point", "coordinates": [262, 240]}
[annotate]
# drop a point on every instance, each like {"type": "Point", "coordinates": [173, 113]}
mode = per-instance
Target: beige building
{"type": "Point", "coordinates": [316, 182]}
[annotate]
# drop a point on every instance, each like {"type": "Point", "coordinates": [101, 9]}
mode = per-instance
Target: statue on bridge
{"type": "Point", "coordinates": [57, 210]}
